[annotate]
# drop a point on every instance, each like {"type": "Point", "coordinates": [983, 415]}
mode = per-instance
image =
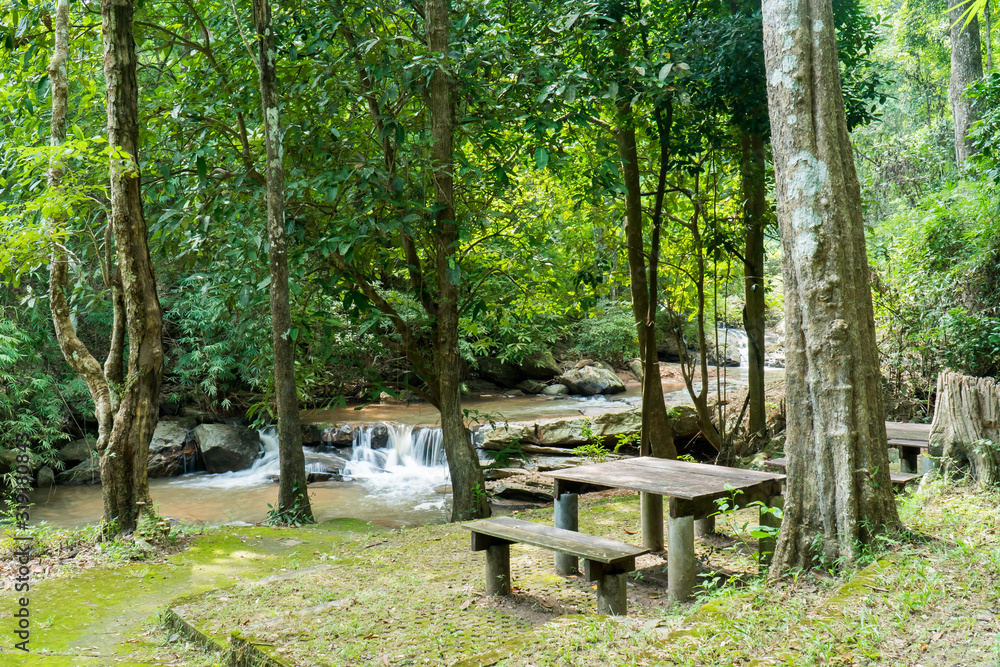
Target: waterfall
{"type": "Point", "coordinates": [738, 338]}
{"type": "Point", "coordinates": [259, 473]}
{"type": "Point", "coordinates": [397, 459]}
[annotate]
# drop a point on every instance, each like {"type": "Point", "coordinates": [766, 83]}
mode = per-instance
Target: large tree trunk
{"type": "Point", "coordinates": [468, 486]}
{"type": "Point", "coordinates": [657, 432]}
{"type": "Point", "coordinates": [752, 174]}
{"type": "Point", "coordinates": [966, 69]}
{"type": "Point", "coordinates": [293, 497]}
{"type": "Point", "coordinates": [838, 494]}
{"type": "Point", "coordinates": [966, 429]}
{"type": "Point", "coordinates": [123, 466]}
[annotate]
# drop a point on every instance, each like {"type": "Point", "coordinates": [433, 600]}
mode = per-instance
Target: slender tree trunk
{"type": "Point", "coordinates": [752, 174]}
{"type": "Point", "coordinates": [468, 486]}
{"type": "Point", "coordinates": [838, 494]}
{"type": "Point", "coordinates": [123, 467]}
{"type": "Point", "coordinates": [966, 69]}
{"type": "Point", "coordinates": [657, 432]}
{"type": "Point", "coordinates": [74, 350]}
{"type": "Point", "coordinates": [987, 14]}
{"type": "Point", "coordinates": [293, 496]}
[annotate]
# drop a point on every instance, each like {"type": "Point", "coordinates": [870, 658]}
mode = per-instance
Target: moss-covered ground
{"type": "Point", "coordinates": [347, 594]}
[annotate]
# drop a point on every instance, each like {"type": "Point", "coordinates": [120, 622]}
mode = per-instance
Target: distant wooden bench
{"type": "Point", "coordinates": [605, 561]}
{"type": "Point", "coordinates": [909, 452]}
{"type": "Point", "coordinates": [898, 479]}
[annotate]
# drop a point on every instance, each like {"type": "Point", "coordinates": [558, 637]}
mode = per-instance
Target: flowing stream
{"type": "Point", "coordinates": [394, 474]}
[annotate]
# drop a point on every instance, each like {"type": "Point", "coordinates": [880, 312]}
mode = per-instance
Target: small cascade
{"type": "Point", "coordinates": [738, 339]}
{"type": "Point", "coordinates": [398, 460]}
{"type": "Point", "coordinates": [261, 472]}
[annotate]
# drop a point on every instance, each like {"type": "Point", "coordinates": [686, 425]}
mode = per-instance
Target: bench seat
{"type": "Point", "coordinates": [898, 479]}
{"type": "Point", "coordinates": [605, 561]}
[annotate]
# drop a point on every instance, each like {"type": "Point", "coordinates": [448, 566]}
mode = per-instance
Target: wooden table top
{"type": "Point", "coordinates": [907, 431]}
{"type": "Point", "coordinates": [676, 479]}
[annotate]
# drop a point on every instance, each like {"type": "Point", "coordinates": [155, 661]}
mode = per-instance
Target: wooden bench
{"type": "Point", "coordinates": [605, 561]}
{"type": "Point", "coordinates": [909, 452]}
{"type": "Point", "coordinates": [898, 479]}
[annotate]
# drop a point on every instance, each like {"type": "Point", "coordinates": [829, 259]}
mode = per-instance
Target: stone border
{"type": "Point", "coordinates": [241, 651]}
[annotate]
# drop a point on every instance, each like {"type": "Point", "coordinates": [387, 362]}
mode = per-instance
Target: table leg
{"type": "Point", "coordinates": [765, 546]}
{"type": "Point", "coordinates": [704, 526]}
{"type": "Point", "coordinates": [651, 520]}
{"type": "Point", "coordinates": [498, 569]}
{"type": "Point", "coordinates": [568, 518]}
{"type": "Point", "coordinates": [680, 557]}
{"type": "Point", "coordinates": [612, 599]}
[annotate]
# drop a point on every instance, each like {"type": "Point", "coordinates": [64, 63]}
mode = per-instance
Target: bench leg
{"type": "Point", "coordinates": [567, 517]}
{"type": "Point", "coordinates": [680, 558]}
{"type": "Point", "coordinates": [611, 597]}
{"type": "Point", "coordinates": [498, 569]}
{"type": "Point", "coordinates": [651, 520]}
{"type": "Point", "coordinates": [765, 546]}
{"type": "Point", "coordinates": [926, 464]}
{"type": "Point", "coordinates": [908, 458]}
{"type": "Point", "coordinates": [704, 526]}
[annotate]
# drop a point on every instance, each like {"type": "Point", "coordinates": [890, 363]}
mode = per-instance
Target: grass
{"type": "Point", "coordinates": [414, 597]}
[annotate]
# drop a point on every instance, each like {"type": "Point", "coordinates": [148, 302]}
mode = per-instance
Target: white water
{"type": "Point", "coordinates": [737, 338]}
{"type": "Point", "coordinates": [410, 467]}
{"type": "Point", "coordinates": [255, 475]}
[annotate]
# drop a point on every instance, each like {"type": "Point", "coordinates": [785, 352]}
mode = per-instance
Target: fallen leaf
{"type": "Point", "coordinates": [465, 605]}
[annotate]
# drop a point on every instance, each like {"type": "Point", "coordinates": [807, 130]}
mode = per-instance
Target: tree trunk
{"type": "Point", "coordinates": [838, 494]}
{"type": "Point", "coordinates": [965, 431]}
{"type": "Point", "coordinates": [74, 350]}
{"type": "Point", "coordinates": [123, 467]}
{"type": "Point", "coordinates": [987, 14]}
{"type": "Point", "coordinates": [293, 497]}
{"type": "Point", "coordinates": [752, 174]}
{"type": "Point", "coordinates": [468, 485]}
{"type": "Point", "coordinates": [966, 69]}
{"type": "Point", "coordinates": [657, 432]}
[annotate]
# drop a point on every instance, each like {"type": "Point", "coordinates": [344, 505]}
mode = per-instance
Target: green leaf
{"type": "Point", "coordinates": [293, 333]}
{"type": "Point", "coordinates": [541, 158]}
{"type": "Point", "coordinates": [202, 167]}
{"type": "Point", "coordinates": [665, 71]}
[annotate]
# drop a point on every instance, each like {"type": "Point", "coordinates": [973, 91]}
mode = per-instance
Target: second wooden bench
{"type": "Point", "coordinates": [898, 479]}
{"type": "Point", "coordinates": [605, 561]}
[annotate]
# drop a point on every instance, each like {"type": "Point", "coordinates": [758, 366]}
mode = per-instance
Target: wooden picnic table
{"type": "Point", "coordinates": [692, 490]}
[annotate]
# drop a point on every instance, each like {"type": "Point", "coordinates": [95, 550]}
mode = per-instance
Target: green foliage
{"type": "Point", "coordinates": [299, 514]}
{"type": "Point", "coordinates": [608, 334]}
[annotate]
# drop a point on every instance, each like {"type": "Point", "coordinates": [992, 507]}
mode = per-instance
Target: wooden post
{"type": "Point", "coordinates": [908, 458]}
{"type": "Point", "coordinates": [611, 596]}
{"type": "Point", "coordinates": [567, 516]}
{"type": "Point", "coordinates": [765, 546]}
{"type": "Point", "coordinates": [680, 557]}
{"type": "Point", "coordinates": [651, 520]}
{"type": "Point", "coordinates": [703, 527]}
{"type": "Point", "coordinates": [498, 569]}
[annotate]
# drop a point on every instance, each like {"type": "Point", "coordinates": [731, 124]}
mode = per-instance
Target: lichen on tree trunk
{"type": "Point", "coordinates": [965, 432]}
{"type": "Point", "coordinates": [838, 494]}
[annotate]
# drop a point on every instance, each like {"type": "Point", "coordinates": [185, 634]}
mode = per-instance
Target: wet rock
{"type": "Point", "coordinates": [87, 472]}
{"type": "Point", "coordinates": [312, 434]}
{"type": "Point", "coordinates": [227, 448]}
{"type": "Point", "coordinates": [323, 462]}
{"type": "Point", "coordinates": [380, 436]}
{"type": "Point", "coordinates": [45, 478]}
{"type": "Point", "coordinates": [531, 387]}
{"type": "Point", "coordinates": [172, 451]}
{"type": "Point", "coordinates": [605, 365]}
{"type": "Point", "coordinates": [502, 373]}
{"type": "Point", "coordinates": [724, 355]}
{"type": "Point", "coordinates": [78, 450]}
{"type": "Point", "coordinates": [583, 363]}
{"type": "Point", "coordinates": [502, 473]}
{"type": "Point", "coordinates": [555, 390]}
{"type": "Point", "coordinates": [636, 367]}
{"type": "Point", "coordinates": [442, 488]}
{"type": "Point", "coordinates": [312, 477]}
{"type": "Point", "coordinates": [667, 349]}
{"type": "Point", "coordinates": [338, 435]}
{"type": "Point", "coordinates": [540, 366]}
{"type": "Point", "coordinates": [590, 381]}
{"type": "Point", "coordinates": [551, 463]}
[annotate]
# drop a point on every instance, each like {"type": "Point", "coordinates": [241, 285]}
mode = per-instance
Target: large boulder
{"type": "Point", "coordinates": [172, 451]}
{"type": "Point", "coordinates": [227, 448]}
{"type": "Point", "coordinates": [531, 386]}
{"type": "Point", "coordinates": [667, 349]}
{"type": "Point", "coordinates": [555, 390]}
{"type": "Point", "coordinates": [501, 373]}
{"type": "Point", "coordinates": [540, 366]}
{"type": "Point", "coordinates": [569, 433]}
{"type": "Point", "coordinates": [88, 472]}
{"type": "Point", "coordinates": [337, 435]}
{"type": "Point", "coordinates": [77, 451]}
{"type": "Point", "coordinates": [590, 381]}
